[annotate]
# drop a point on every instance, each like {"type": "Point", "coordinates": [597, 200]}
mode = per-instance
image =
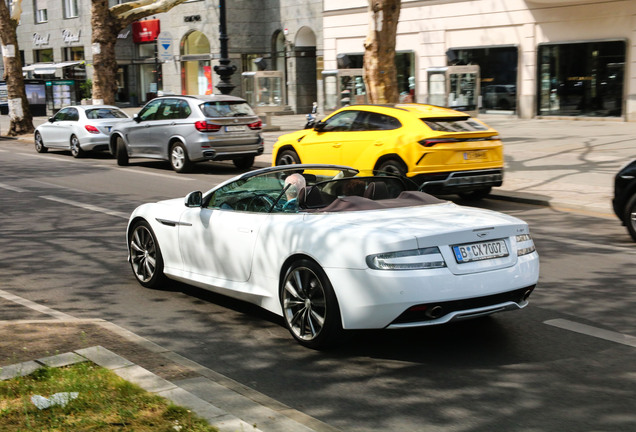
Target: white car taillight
{"type": "Point", "coordinates": [525, 245]}
{"type": "Point", "coordinates": [416, 259]}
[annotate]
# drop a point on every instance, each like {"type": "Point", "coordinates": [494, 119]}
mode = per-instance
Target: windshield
{"type": "Point", "coordinates": [226, 109]}
{"type": "Point", "coordinates": [105, 113]}
{"type": "Point", "coordinates": [296, 190]}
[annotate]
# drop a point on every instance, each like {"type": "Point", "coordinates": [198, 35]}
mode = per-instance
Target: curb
{"type": "Point", "coordinates": [224, 403]}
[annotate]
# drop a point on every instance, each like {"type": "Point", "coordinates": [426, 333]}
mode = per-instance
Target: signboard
{"type": "Point", "coordinates": [164, 46]}
{"type": "Point", "coordinates": [146, 31]}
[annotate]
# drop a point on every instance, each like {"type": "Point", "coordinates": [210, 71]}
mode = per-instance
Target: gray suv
{"type": "Point", "coordinates": [187, 129]}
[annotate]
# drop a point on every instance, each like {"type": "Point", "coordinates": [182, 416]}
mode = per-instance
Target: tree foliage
{"type": "Point", "coordinates": [380, 72]}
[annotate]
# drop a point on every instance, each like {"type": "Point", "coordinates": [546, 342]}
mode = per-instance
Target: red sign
{"type": "Point", "coordinates": [146, 31]}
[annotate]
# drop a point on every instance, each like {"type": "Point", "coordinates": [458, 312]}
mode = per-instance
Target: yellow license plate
{"type": "Point", "coordinates": [476, 155]}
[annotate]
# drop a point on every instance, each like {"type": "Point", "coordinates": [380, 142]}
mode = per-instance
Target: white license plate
{"type": "Point", "coordinates": [480, 251]}
{"type": "Point", "coordinates": [234, 128]}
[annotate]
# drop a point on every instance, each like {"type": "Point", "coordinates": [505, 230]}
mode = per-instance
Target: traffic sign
{"type": "Point", "coordinates": [164, 46]}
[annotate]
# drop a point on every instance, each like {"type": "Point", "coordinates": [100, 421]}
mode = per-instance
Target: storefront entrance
{"type": "Point", "coordinates": [581, 79]}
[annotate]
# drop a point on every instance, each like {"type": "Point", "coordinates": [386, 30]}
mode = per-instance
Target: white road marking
{"type": "Point", "coordinates": [12, 188]}
{"type": "Point", "coordinates": [593, 331]}
{"type": "Point", "coordinates": [87, 206]}
{"type": "Point", "coordinates": [36, 307]}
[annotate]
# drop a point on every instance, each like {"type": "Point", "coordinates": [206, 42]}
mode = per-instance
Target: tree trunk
{"type": "Point", "coordinates": [380, 73]}
{"type": "Point", "coordinates": [21, 120]}
{"type": "Point", "coordinates": [105, 30]}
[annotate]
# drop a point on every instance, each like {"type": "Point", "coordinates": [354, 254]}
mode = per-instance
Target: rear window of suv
{"type": "Point", "coordinates": [454, 124]}
{"type": "Point", "coordinates": [226, 109]}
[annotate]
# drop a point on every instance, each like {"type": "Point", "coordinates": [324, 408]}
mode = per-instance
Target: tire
{"type": "Point", "coordinates": [475, 195]}
{"type": "Point", "coordinates": [179, 160]}
{"type": "Point", "coordinates": [393, 166]}
{"type": "Point", "coordinates": [630, 216]}
{"type": "Point", "coordinates": [309, 304]}
{"type": "Point", "coordinates": [76, 150]}
{"type": "Point", "coordinates": [287, 157]}
{"type": "Point", "coordinates": [39, 144]}
{"type": "Point", "coordinates": [245, 162]}
{"type": "Point", "coordinates": [120, 152]}
{"type": "Point", "coordinates": [146, 260]}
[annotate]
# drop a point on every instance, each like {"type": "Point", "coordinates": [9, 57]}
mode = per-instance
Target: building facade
{"type": "Point", "coordinates": [54, 38]}
{"type": "Point", "coordinates": [537, 58]}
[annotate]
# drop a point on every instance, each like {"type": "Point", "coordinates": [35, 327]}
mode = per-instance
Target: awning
{"type": "Point", "coordinates": [48, 68]}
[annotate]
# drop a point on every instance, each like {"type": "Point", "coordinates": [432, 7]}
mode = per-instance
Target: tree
{"type": "Point", "coordinates": [107, 23]}
{"type": "Point", "coordinates": [21, 120]}
{"type": "Point", "coordinates": [380, 72]}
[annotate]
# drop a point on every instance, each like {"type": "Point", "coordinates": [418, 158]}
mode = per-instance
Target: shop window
{"type": "Point", "coordinates": [41, 15]}
{"type": "Point", "coordinates": [43, 55]}
{"type": "Point", "coordinates": [498, 71]}
{"type": "Point", "coordinates": [196, 71]}
{"type": "Point", "coordinates": [581, 79]}
{"type": "Point", "coordinates": [70, 9]}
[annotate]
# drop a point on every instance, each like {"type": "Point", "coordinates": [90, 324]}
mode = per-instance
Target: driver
{"type": "Point", "coordinates": [296, 182]}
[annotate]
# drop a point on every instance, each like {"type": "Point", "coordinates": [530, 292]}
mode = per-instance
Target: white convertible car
{"type": "Point", "coordinates": [351, 251]}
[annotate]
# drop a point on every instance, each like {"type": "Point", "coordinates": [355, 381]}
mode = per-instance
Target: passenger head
{"type": "Point", "coordinates": [296, 182]}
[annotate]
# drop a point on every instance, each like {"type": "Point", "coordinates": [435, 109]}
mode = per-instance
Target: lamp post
{"type": "Point", "coordinates": [224, 69]}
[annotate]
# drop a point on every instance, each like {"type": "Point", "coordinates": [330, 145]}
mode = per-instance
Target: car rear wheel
{"type": "Point", "coordinates": [120, 152]}
{"type": "Point", "coordinates": [630, 216]}
{"type": "Point", "coordinates": [287, 157]}
{"type": "Point", "coordinates": [145, 256]}
{"type": "Point", "coordinates": [39, 144]}
{"type": "Point", "coordinates": [245, 162]}
{"type": "Point", "coordinates": [475, 195]}
{"type": "Point", "coordinates": [393, 166]}
{"type": "Point", "coordinates": [76, 150]}
{"type": "Point", "coordinates": [310, 307]}
{"type": "Point", "coordinates": [179, 160]}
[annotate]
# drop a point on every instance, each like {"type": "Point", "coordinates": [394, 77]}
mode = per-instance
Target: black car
{"type": "Point", "coordinates": [624, 201]}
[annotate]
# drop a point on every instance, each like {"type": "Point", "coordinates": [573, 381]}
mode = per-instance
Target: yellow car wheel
{"type": "Point", "coordinates": [287, 157]}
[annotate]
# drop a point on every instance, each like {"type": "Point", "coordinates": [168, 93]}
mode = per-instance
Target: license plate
{"type": "Point", "coordinates": [475, 155]}
{"type": "Point", "coordinates": [480, 251]}
{"type": "Point", "coordinates": [234, 128]}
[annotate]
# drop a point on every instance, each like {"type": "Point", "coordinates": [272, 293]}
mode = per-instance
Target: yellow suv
{"type": "Point", "coordinates": [443, 150]}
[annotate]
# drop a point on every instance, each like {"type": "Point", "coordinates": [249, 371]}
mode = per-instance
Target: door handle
{"type": "Point", "coordinates": [337, 145]}
{"type": "Point", "coordinates": [378, 143]}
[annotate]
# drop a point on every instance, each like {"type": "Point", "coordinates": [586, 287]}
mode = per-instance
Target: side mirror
{"type": "Point", "coordinates": [51, 119]}
{"type": "Point", "coordinates": [194, 199]}
{"type": "Point", "coordinates": [136, 118]}
{"type": "Point", "coordinates": [318, 127]}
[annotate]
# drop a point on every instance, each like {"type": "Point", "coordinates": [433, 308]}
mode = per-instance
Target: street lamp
{"type": "Point", "coordinates": [224, 69]}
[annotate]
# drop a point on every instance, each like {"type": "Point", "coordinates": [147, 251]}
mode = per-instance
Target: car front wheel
{"type": "Point", "coordinates": [310, 307]}
{"type": "Point", "coordinates": [76, 150]}
{"type": "Point", "coordinates": [287, 157]}
{"type": "Point", "coordinates": [39, 144]}
{"type": "Point", "coordinates": [179, 160]}
{"type": "Point", "coordinates": [630, 216]}
{"type": "Point", "coordinates": [145, 256]}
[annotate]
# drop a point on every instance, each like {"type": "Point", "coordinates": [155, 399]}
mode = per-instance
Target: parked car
{"type": "Point", "coordinates": [356, 251]}
{"type": "Point", "coordinates": [500, 96]}
{"type": "Point", "coordinates": [187, 129]}
{"type": "Point", "coordinates": [624, 201]}
{"type": "Point", "coordinates": [444, 150]}
{"type": "Point", "coordinates": [79, 128]}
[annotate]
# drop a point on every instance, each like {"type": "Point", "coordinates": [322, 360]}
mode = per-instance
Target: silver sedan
{"type": "Point", "coordinates": [79, 128]}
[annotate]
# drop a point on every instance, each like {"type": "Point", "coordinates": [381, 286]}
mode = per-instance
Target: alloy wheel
{"type": "Point", "coordinates": [304, 303]}
{"type": "Point", "coordinates": [178, 157]}
{"type": "Point", "coordinates": [143, 253]}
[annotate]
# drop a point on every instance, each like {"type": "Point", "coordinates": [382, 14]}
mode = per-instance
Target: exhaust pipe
{"type": "Point", "coordinates": [435, 312]}
{"type": "Point", "coordinates": [526, 295]}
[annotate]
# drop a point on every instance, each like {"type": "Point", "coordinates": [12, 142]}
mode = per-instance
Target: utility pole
{"type": "Point", "coordinates": [224, 69]}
